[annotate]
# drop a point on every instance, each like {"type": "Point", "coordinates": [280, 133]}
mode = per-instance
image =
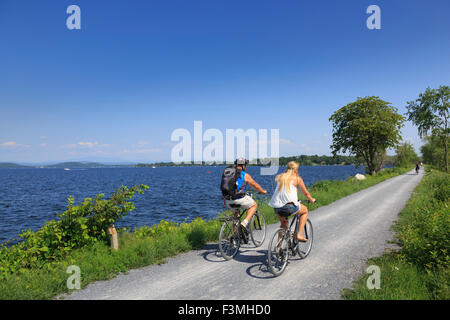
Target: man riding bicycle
{"type": "Point", "coordinates": [238, 198]}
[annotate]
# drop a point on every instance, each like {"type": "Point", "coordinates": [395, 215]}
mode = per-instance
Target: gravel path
{"type": "Point", "coordinates": [346, 233]}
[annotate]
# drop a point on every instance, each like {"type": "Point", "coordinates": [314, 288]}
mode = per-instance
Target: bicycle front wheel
{"type": "Point", "coordinates": [229, 241]}
{"type": "Point", "coordinates": [278, 252]}
{"type": "Point", "coordinates": [304, 248]}
{"type": "Point", "coordinates": [258, 229]}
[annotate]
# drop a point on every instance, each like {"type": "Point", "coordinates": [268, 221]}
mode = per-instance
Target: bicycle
{"type": "Point", "coordinates": [232, 233]}
{"type": "Point", "coordinates": [284, 243]}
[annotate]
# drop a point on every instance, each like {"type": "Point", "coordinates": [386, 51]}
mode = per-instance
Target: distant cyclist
{"type": "Point", "coordinates": [285, 198]}
{"type": "Point", "coordinates": [233, 182]}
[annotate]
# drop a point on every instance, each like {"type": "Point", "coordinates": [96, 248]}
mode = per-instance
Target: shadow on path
{"type": "Point", "coordinates": [258, 269]}
{"type": "Point", "coordinates": [212, 253]}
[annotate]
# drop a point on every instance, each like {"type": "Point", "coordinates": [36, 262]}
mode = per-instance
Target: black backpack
{"type": "Point", "coordinates": [228, 185]}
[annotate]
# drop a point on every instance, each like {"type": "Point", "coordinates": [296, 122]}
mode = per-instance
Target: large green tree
{"type": "Point", "coordinates": [366, 128]}
{"type": "Point", "coordinates": [430, 113]}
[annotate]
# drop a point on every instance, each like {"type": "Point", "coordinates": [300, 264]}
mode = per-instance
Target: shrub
{"type": "Point", "coordinates": [77, 227]}
{"type": "Point", "coordinates": [426, 236]}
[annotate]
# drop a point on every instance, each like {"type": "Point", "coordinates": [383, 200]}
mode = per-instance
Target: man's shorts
{"type": "Point", "coordinates": [287, 210]}
{"type": "Point", "coordinates": [242, 203]}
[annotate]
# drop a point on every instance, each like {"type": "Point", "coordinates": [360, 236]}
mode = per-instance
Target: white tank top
{"type": "Point", "coordinates": [279, 199]}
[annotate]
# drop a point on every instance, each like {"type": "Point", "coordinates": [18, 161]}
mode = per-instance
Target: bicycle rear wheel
{"type": "Point", "coordinates": [278, 252]}
{"type": "Point", "coordinates": [304, 248]}
{"type": "Point", "coordinates": [229, 241]}
{"type": "Point", "coordinates": [258, 229]}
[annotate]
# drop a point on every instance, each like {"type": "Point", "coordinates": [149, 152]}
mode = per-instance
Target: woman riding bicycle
{"type": "Point", "coordinates": [285, 198]}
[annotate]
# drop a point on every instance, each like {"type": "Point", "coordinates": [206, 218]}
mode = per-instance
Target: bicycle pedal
{"type": "Point", "coordinates": [293, 251]}
{"type": "Point", "coordinates": [245, 237]}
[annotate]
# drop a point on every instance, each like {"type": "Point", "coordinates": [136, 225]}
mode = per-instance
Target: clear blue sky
{"type": "Point", "coordinates": [116, 89]}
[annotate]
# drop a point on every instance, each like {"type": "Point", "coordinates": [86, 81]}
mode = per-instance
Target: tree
{"type": "Point", "coordinates": [432, 151]}
{"type": "Point", "coordinates": [366, 128]}
{"type": "Point", "coordinates": [430, 113]}
{"type": "Point", "coordinates": [405, 155]}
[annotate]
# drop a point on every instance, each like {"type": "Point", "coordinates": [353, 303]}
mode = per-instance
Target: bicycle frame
{"type": "Point", "coordinates": [234, 215]}
{"type": "Point", "coordinates": [293, 240]}
{"type": "Point", "coordinates": [297, 221]}
{"type": "Point", "coordinates": [232, 231]}
{"type": "Point", "coordinates": [236, 220]}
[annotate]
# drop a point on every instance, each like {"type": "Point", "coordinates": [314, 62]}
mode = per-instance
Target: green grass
{"type": "Point", "coordinates": [99, 262]}
{"type": "Point", "coordinates": [420, 268]}
{"type": "Point", "coordinates": [399, 281]}
{"type": "Point", "coordinates": [152, 245]}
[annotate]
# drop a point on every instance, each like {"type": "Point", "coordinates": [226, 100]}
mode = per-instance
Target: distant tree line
{"type": "Point", "coordinates": [303, 160]}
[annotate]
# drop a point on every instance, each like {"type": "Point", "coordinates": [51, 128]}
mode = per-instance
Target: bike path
{"type": "Point", "coordinates": [346, 233]}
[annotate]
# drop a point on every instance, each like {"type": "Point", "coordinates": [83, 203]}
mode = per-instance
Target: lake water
{"type": "Point", "coordinates": [30, 197]}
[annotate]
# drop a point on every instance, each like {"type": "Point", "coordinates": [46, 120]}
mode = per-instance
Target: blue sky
{"type": "Point", "coordinates": [137, 70]}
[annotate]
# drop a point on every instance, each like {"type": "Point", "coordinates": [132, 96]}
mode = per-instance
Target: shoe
{"type": "Point", "coordinates": [245, 227]}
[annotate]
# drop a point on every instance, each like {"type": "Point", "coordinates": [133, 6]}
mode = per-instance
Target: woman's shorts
{"type": "Point", "coordinates": [287, 210]}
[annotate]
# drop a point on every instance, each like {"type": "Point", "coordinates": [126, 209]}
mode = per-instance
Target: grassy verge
{"type": "Point", "coordinates": [420, 269]}
{"type": "Point", "coordinates": [150, 245]}
{"type": "Point", "coordinates": [99, 262]}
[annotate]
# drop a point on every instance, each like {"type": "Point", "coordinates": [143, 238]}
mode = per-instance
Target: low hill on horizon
{"type": "Point", "coordinates": [68, 164]}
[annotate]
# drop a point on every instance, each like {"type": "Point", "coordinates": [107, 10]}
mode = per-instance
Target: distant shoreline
{"type": "Point", "coordinates": [62, 165]}
{"type": "Point", "coordinates": [303, 160]}
{"type": "Point", "coordinates": [17, 166]}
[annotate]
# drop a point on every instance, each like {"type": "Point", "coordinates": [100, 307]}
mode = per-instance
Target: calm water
{"type": "Point", "coordinates": [30, 197]}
